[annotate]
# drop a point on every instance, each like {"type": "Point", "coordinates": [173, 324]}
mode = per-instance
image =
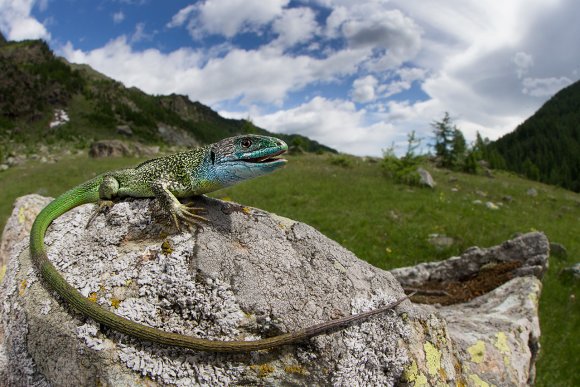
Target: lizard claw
{"type": "Point", "coordinates": [188, 214]}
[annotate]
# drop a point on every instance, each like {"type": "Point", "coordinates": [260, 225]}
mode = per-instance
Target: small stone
{"type": "Point", "coordinates": [532, 192]}
{"type": "Point", "coordinates": [507, 198]}
{"type": "Point", "coordinates": [426, 178]}
{"type": "Point", "coordinates": [491, 206]}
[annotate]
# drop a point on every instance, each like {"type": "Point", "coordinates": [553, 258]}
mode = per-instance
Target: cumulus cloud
{"type": "Point", "coordinates": [252, 75]}
{"type": "Point", "coordinates": [295, 25]}
{"type": "Point", "coordinates": [227, 17]}
{"type": "Point", "coordinates": [394, 37]}
{"type": "Point", "coordinates": [334, 122]}
{"type": "Point", "coordinates": [363, 89]}
{"type": "Point", "coordinates": [17, 23]}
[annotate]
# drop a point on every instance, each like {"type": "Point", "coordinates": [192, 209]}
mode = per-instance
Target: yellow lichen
{"type": "Point", "coordinates": [2, 272]}
{"type": "Point", "coordinates": [22, 287]}
{"type": "Point", "coordinates": [262, 370]}
{"type": "Point", "coordinates": [21, 215]}
{"type": "Point", "coordinates": [115, 302]}
{"type": "Point", "coordinates": [246, 210]}
{"type": "Point", "coordinates": [413, 375]}
{"type": "Point", "coordinates": [478, 382]}
{"type": "Point", "coordinates": [296, 369]}
{"type": "Point", "coordinates": [93, 297]}
{"type": "Point", "coordinates": [477, 351]}
{"type": "Point", "coordinates": [501, 344]}
{"type": "Point", "coordinates": [166, 247]}
{"type": "Point", "coordinates": [433, 358]}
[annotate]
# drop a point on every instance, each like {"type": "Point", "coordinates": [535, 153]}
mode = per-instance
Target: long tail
{"type": "Point", "coordinates": [88, 193]}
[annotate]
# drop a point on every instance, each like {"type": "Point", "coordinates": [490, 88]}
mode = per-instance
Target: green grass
{"type": "Point", "coordinates": [388, 225]}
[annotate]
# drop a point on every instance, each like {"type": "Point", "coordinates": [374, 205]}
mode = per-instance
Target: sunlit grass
{"type": "Point", "coordinates": [389, 225]}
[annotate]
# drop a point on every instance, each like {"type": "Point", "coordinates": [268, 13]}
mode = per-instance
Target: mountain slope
{"type": "Point", "coordinates": [36, 86]}
{"type": "Point", "coordinates": [546, 147]}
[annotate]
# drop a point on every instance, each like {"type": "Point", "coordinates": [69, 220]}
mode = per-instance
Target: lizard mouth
{"type": "Point", "coordinates": [267, 159]}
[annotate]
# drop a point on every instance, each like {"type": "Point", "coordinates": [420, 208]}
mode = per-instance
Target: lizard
{"type": "Point", "coordinates": [168, 179]}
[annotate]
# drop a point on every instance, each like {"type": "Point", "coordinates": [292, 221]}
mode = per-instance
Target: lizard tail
{"type": "Point", "coordinates": [88, 193]}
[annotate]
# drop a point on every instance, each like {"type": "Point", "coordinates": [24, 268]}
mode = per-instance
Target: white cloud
{"type": "Point", "coordinates": [227, 17]}
{"type": "Point", "coordinates": [544, 87]}
{"type": "Point", "coordinates": [17, 23]}
{"type": "Point", "coordinates": [295, 25]}
{"type": "Point", "coordinates": [334, 122]}
{"type": "Point", "coordinates": [182, 16]}
{"type": "Point", "coordinates": [253, 75]}
{"type": "Point", "coordinates": [395, 37]}
{"type": "Point", "coordinates": [363, 89]}
{"type": "Point", "coordinates": [118, 17]}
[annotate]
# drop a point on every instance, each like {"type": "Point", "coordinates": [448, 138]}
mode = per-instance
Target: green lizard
{"type": "Point", "coordinates": [181, 175]}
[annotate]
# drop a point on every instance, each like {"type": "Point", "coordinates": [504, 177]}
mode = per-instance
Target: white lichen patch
{"type": "Point", "coordinates": [371, 357]}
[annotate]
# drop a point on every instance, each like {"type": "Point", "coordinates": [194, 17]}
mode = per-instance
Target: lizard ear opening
{"type": "Point", "coordinates": [212, 156]}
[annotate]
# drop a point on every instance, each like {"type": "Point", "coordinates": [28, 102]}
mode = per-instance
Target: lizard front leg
{"type": "Point", "coordinates": [177, 210]}
{"type": "Point", "coordinates": [108, 189]}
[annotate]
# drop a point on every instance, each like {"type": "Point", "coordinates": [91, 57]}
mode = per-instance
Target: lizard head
{"type": "Point", "coordinates": [244, 157]}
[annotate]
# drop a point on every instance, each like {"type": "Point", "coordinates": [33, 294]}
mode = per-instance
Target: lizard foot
{"type": "Point", "coordinates": [103, 206]}
{"type": "Point", "coordinates": [187, 213]}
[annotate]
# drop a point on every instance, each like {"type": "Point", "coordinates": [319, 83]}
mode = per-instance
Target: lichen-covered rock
{"type": "Point", "coordinates": [247, 274]}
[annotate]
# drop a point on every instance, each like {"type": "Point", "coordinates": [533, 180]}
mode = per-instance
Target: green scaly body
{"type": "Point", "coordinates": [168, 178]}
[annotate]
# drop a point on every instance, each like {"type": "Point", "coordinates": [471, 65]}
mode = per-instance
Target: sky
{"type": "Point", "coordinates": [358, 76]}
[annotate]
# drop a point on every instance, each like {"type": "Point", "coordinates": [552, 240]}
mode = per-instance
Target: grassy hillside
{"type": "Point", "coordinates": [389, 225]}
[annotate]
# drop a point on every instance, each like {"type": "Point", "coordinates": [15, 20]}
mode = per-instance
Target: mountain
{"type": "Point", "coordinates": [546, 147]}
{"type": "Point", "coordinates": [45, 99]}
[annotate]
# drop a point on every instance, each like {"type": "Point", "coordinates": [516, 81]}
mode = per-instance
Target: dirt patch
{"type": "Point", "coordinates": [488, 278]}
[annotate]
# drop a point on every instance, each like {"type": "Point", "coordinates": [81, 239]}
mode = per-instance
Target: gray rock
{"type": "Point", "coordinates": [491, 206]}
{"type": "Point", "coordinates": [425, 178]}
{"type": "Point", "coordinates": [177, 136]}
{"type": "Point", "coordinates": [249, 274]}
{"type": "Point", "coordinates": [117, 148]}
{"type": "Point", "coordinates": [108, 148]}
{"type": "Point", "coordinates": [4, 167]}
{"type": "Point", "coordinates": [532, 192]}
{"type": "Point", "coordinates": [125, 130]}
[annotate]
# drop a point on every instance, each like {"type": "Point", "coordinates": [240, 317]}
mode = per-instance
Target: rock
{"type": "Point", "coordinates": [499, 329]}
{"type": "Point", "coordinates": [251, 274]}
{"type": "Point", "coordinates": [481, 193]}
{"type": "Point", "coordinates": [558, 250]}
{"type": "Point", "coordinates": [491, 206]}
{"type": "Point", "coordinates": [4, 167]}
{"type": "Point", "coordinates": [177, 136]}
{"type": "Point", "coordinates": [19, 223]}
{"type": "Point", "coordinates": [59, 118]}
{"type": "Point", "coordinates": [108, 148]}
{"type": "Point", "coordinates": [425, 178]}
{"type": "Point", "coordinates": [116, 148]}
{"type": "Point", "coordinates": [507, 198]}
{"type": "Point", "coordinates": [532, 192]}
{"type": "Point", "coordinates": [125, 130]}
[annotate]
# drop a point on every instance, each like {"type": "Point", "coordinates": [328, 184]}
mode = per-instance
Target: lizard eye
{"type": "Point", "coordinates": [246, 143]}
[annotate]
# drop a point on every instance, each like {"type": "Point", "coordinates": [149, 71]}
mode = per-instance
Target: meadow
{"type": "Point", "coordinates": [389, 225]}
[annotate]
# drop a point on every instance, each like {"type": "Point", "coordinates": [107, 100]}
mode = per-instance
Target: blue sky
{"type": "Point", "coordinates": [354, 75]}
